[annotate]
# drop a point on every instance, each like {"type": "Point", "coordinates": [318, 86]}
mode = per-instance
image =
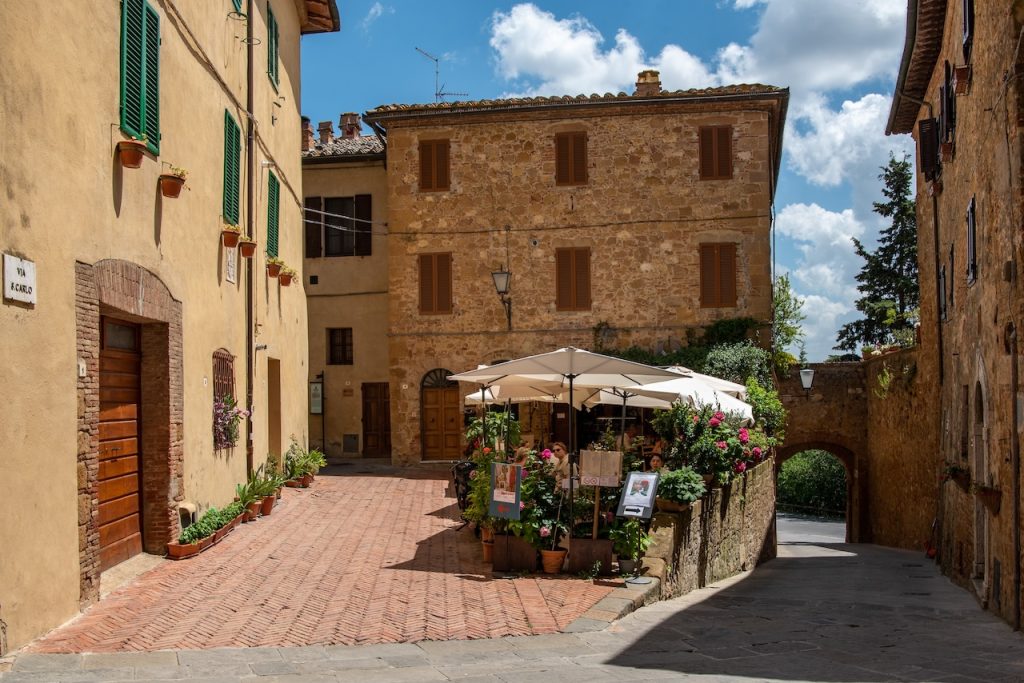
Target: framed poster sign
{"type": "Point", "coordinates": [506, 487]}
{"type": "Point", "coordinates": [316, 398]}
{"type": "Point", "coordinates": [638, 495]}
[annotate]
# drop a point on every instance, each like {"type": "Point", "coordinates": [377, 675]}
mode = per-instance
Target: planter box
{"type": "Point", "coordinates": [512, 554]}
{"type": "Point", "coordinates": [584, 552]}
{"type": "Point", "coordinates": [177, 551]}
{"type": "Point", "coordinates": [665, 505]}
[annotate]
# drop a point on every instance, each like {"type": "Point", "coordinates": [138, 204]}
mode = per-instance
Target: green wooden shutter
{"type": "Point", "coordinates": [273, 209]}
{"type": "Point", "coordinates": [273, 34]}
{"type": "Point", "coordinates": [232, 166]}
{"type": "Point", "coordinates": [151, 81]}
{"type": "Point", "coordinates": [133, 14]}
{"type": "Point", "coordinates": [237, 4]}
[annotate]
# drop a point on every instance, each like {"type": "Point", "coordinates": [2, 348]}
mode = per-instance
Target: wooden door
{"type": "Point", "coordinates": [442, 422]}
{"type": "Point", "coordinates": [376, 419]}
{"type": "Point", "coordinates": [119, 453]}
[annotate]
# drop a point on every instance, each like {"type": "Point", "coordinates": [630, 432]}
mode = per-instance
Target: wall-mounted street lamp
{"type": "Point", "coordinates": [502, 281]}
{"type": "Point", "coordinates": [806, 380]}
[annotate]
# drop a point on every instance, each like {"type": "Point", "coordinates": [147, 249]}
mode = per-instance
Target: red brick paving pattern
{"type": "Point", "coordinates": [358, 558]}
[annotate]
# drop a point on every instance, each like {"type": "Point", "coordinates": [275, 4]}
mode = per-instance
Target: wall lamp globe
{"type": "Point", "coordinates": [502, 283]}
{"type": "Point", "coordinates": [807, 379]}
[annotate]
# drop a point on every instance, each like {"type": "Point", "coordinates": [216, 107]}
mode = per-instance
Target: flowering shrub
{"type": "Point", "coordinates": [226, 416]}
{"type": "Point", "coordinates": [544, 509]}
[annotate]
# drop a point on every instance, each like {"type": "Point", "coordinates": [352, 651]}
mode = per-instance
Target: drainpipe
{"type": "Point", "coordinates": [1015, 459]}
{"type": "Point", "coordinates": [250, 143]}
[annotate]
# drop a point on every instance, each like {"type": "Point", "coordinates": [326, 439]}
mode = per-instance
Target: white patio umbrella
{"type": "Point", "coordinates": [723, 385]}
{"type": "Point", "coordinates": [698, 393]}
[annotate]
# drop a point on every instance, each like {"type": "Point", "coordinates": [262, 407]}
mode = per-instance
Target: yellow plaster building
{"type": "Point", "coordinates": [123, 312]}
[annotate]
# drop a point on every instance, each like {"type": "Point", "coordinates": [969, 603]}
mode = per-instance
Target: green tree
{"type": "Point", "coordinates": [888, 278]}
{"type": "Point", "coordinates": [788, 313]}
{"type": "Point", "coordinates": [813, 481]}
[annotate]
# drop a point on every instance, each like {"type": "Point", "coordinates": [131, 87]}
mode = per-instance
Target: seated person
{"type": "Point", "coordinates": [656, 463]}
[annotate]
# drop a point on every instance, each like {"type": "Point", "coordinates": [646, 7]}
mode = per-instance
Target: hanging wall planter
{"type": "Point", "coordinates": [230, 236]}
{"type": "Point", "coordinates": [247, 247]}
{"type": "Point", "coordinates": [285, 277]}
{"type": "Point", "coordinates": [990, 497]}
{"type": "Point", "coordinates": [131, 152]}
{"type": "Point", "coordinates": [170, 185]}
{"type": "Point", "coordinates": [274, 266]}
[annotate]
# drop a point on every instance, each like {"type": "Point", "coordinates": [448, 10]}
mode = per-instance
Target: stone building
{"type": "Point", "coordinates": [346, 266]}
{"type": "Point", "coordinates": [959, 94]}
{"type": "Point", "coordinates": [123, 313]}
{"type": "Point", "coordinates": [637, 219]}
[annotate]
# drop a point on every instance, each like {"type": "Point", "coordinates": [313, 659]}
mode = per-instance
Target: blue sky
{"type": "Point", "coordinates": [838, 57]}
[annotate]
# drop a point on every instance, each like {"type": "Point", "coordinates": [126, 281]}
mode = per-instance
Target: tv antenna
{"type": "Point", "coordinates": [439, 93]}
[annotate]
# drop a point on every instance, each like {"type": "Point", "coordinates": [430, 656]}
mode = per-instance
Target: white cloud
{"type": "Point", "coordinates": [824, 317]}
{"type": "Point", "coordinates": [376, 11]}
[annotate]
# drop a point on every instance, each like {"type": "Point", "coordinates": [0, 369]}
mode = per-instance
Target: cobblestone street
{"type": "Point", "coordinates": [367, 555]}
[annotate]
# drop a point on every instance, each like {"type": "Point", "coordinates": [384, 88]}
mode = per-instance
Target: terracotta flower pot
{"type": "Point", "coordinates": [285, 279]}
{"type": "Point", "coordinates": [268, 504]}
{"type": "Point", "coordinates": [273, 269]}
{"type": "Point", "coordinates": [294, 483]}
{"type": "Point", "coordinates": [177, 551]}
{"type": "Point", "coordinates": [170, 185]}
{"type": "Point", "coordinates": [247, 248]}
{"type": "Point", "coordinates": [307, 479]}
{"type": "Point", "coordinates": [665, 505]}
{"type": "Point", "coordinates": [230, 238]}
{"type": "Point", "coordinates": [219, 534]}
{"type": "Point", "coordinates": [131, 153]}
{"type": "Point", "coordinates": [252, 510]}
{"type": "Point", "coordinates": [205, 543]}
{"type": "Point", "coordinates": [553, 560]}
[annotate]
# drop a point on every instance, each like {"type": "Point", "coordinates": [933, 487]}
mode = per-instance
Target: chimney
{"type": "Point", "coordinates": [648, 83]}
{"type": "Point", "coordinates": [326, 132]}
{"type": "Point", "coordinates": [307, 134]}
{"type": "Point", "coordinates": [350, 125]}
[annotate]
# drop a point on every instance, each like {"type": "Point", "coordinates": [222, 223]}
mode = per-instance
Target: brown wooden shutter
{"type": "Point", "coordinates": [426, 283]}
{"type": "Point", "coordinates": [441, 160]}
{"type": "Point", "coordinates": [563, 279]}
{"type": "Point", "coordinates": [443, 278]}
{"type": "Point", "coordinates": [563, 159]}
{"type": "Point", "coordinates": [581, 279]}
{"type": "Point", "coordinates": [727, 275]}
{"type": "Point", "coordinates": [426, 166]}
{"type": "Point", "coordinates": [707, 152]}
{"type": "Point", "coordinates": [579, 158]}
{"type": "Point", "coordinates": [928, 137]}
{"type": "Point", "coordinates": [723, 152]}
{"type": "Point", "coordinates": [314, 227]}
{"type": "Point", "coordinates": [708, 275]}
{"type": "Point", "coordinates": [364, 234]}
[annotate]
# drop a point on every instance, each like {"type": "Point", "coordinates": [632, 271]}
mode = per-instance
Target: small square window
{"type": "Point", "coordinates": [339, 346]}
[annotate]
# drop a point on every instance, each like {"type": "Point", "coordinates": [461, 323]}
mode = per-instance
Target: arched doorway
{"type": "Point", "coordinates": [812, 495]}
{"type": "Point", "coordinates": [979, 466]}
{"type": "Point", "coordinates": [856, 516]}
{"type": "Point", "coordinates": [440, 416]}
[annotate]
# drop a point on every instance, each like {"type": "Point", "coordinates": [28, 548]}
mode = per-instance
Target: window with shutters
{"type": "Point", "coordinates": [232, 168]}
{"type": "Point", "coordinates": [339, 346]}
{"type": "Point", "coordinates": [717, 275]}
{"type": "Point", "coordinates": [968, 28]}
{"type": "Point", "coordinates": [140, 72]}
{"type": "Point", "coordinates": [928, 138]}
{"type": "Point", "coordinates": [572, 279]}
{"type": "Point", "coordinates": [571, 158]}
{"type": "Point", "coordinates": [942, 293]}
{"type": "Point", "coordinates": [947, 106]}
{"type": "Point", "coordinates": [339, 226]}
{"type": "Point", "coordinates": [715, 152]}
{"type": "Point", "coordinates": [435, 168]}
{"type": "Point", "coordinates": [436, 283]}
{"type": "Point", "coordinates": [972, 243]}
{"type": "Point", "coordinates": [273, 213]}
{"type": "Point", "coordinates": [237, 4]}
{"type": "Point", "coordinates": [273, 39]}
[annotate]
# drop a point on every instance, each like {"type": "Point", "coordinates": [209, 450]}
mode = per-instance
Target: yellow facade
{"type": "Point", "coordinates": [73, 210]}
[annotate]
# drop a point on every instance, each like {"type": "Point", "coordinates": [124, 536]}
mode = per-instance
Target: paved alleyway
{"type": "Point", "coordinates": [364, 557]}
{"type": "Point", "coordinates": [820, 612]}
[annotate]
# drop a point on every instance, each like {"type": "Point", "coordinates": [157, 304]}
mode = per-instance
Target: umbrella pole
{"type": "Point", "coordinates": [483, 417]}
{"type": "Point", "coordinates": [572, 458]}
{"type": "Point", "coordinates": [622, 431]}
{"type": "Point", "coordinates": [597, 509]}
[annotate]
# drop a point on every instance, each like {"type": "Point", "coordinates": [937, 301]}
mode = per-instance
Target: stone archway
{"type": "Point", "coordinates": [857, 501]}
{"type": "Point", "coordinates": [129, 292]}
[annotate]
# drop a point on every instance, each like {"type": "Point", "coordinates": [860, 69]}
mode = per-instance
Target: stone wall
{"type": "Point", "coordinates": [730, 530]}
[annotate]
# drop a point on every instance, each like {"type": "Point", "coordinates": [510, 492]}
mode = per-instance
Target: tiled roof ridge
{"type": "Point", "coordinates": [341, 147]}
{"type": "Point", "coordinates": [736, 89]}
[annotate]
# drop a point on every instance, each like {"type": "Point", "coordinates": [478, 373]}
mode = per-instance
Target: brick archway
{"type": "Point", "coordinates": [857, 500]}
{"type": "Point", "coordinates": [130, 292]}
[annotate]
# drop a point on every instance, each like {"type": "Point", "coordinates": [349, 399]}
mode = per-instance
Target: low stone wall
{"type": "Point", "coordinates": [730, 530]}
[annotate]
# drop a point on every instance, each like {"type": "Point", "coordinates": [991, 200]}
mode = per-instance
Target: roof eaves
{"type": "Point", "coordinates": [921, 48]}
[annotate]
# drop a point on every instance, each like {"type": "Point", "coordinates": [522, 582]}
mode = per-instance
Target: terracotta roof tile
{"type": "Point", "coordinates": [342, 147]}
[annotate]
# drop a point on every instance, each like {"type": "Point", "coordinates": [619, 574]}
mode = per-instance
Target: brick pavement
{"type": "Point", "coordinates": [369, 555]}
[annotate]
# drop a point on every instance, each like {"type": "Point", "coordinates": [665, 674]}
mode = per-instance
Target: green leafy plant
{"type": "Point", "coordinates": [738, 362]}
{"type": "Point", "coordinates": [769, 413]}
{"type": "Point", "coordinates": [244, 493]}
{"type": "Point", "coordinates": [177, 172]}
{"type": "Point", "coordinates": [813, 481]}
{"type": "Point", "coordinates": [493, 426]}
{"type": "Point", "coordinates": [682, 486]}
{"type": "Point", "coordinates": [629, 539]}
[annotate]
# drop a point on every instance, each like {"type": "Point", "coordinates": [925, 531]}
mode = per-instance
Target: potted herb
{"type": "Point", "coordinates": [230, 234]}
{"type": "Point", "coordinates": [677, 489]}
{"type": "Point", "coordinates": [247, 246]}
{"type": "Point", "coordinates": [274, 266]}
{"type": "Point", "coordinates": [630, 543]}
{"type": "Point", "coordinates": [131, 151]}
{"type": "Point", "coordinates": [172, 181]}
{"type": "Point", "coordinates": [246, 498]}
{"type": "Point", "coordinates": [285, 276]}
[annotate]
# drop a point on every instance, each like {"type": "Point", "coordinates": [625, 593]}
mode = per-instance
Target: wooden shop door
{"type": "Point", "coordinates": [442, 423]}
{"type": "Point", "coordinates": [119, 451]}
{"type": "Point", "coordinates": [376, 420]}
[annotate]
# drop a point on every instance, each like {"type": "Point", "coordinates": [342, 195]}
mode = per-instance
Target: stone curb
{"type": "Point", "coordinates": [616, 605]}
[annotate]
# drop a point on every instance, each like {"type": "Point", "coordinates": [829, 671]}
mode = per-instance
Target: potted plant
{"type": "Point", "coordinates": [246, 246]}
{"type": "Point", "coordinates": [630, 542]}
{"type": "Point", "coordinates": [230, 235]}
{"type": "Point", "coordinates": [172, 181]}
{"type": "Point", "coordinates": [678, 489]}
{"type": "Point", "coordinates": [990, 496]}
{"type": "Point", "coordinates": [285, 276]}
{"type": "Point", "coordinates": [957, 474]}
{"type": "Point", "coordinates": [131, 151]}
{"type": "Point", "coordinates": [274, 266]}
